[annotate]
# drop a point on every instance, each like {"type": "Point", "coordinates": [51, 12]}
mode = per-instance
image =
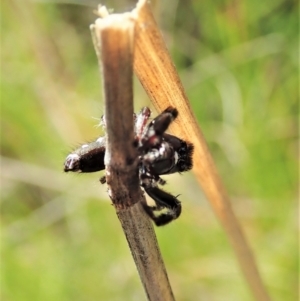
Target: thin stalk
{"type": "Point", "coordinates": [156, 72]}
{"type": "Point", "coordinates": [113, 38]}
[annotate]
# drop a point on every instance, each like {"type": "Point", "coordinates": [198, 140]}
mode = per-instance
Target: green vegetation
{"type": "Point", "coordinates": [61, 239]}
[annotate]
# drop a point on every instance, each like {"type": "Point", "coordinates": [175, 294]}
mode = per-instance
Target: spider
{"type": "Point", "coordinates": [159, 154]}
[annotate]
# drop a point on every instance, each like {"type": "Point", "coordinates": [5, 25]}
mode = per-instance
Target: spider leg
{"type": "Point", "coordinates": [167, 206]}
{"type": "Point", "coordinates": [156, 128]}
{"type": "Point", "coordinates": [102, 180]}
{"type": "Point", "coordinates": [161, 123]}
{"type": "Point", "coordinates": [161, 181]}
{"type": "Point", "coordinates": [141, 121]}
{"type": "Point", "coordinates": [87, 158]}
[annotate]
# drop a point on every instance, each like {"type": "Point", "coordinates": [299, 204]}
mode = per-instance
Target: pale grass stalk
{"type": "Point", "coordinates": [157, 74]}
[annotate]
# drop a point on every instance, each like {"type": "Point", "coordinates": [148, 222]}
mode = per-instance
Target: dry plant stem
{"type": "Point", "coordinates": [113, 39]}
{"type": "Point", "coordinates": [154, 68]}
{"type": "Point", "coordinates": [145, 251]}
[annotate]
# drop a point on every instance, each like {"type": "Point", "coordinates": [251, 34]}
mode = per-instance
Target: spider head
{"type": "Point", "coordinates": [183, 152]}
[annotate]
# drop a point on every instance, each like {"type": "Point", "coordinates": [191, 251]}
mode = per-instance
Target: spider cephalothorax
{"type": "Point", "coordinates": [159, 154]}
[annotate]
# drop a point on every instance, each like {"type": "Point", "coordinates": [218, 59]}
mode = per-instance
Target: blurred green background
{"type": "Point", "coordinates": [61, 239]}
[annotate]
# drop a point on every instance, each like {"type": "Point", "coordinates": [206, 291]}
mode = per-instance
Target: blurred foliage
{"type": "Point", "coordinates": [61, 240]}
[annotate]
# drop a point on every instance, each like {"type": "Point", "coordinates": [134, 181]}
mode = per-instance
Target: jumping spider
{"type": "Point", "coordinates": [159, 154]}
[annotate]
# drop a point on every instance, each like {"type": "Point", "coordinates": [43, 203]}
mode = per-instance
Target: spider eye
{"type": "Point", "coordinates": [182, 151]}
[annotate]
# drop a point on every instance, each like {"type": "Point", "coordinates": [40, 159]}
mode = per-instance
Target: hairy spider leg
{"type": "Point", "coordinates": [87, 158]}
{"type": "Point", "coordinates": [163, 200]}
{"type": "Point", "coordinates": [90, 157]}
{"type": "Point", "coordinates": [141, 122]}
{"type": "Point", "coordinates": [153, 135]}
{"type": "Point", "coordinates": [165, 217]}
